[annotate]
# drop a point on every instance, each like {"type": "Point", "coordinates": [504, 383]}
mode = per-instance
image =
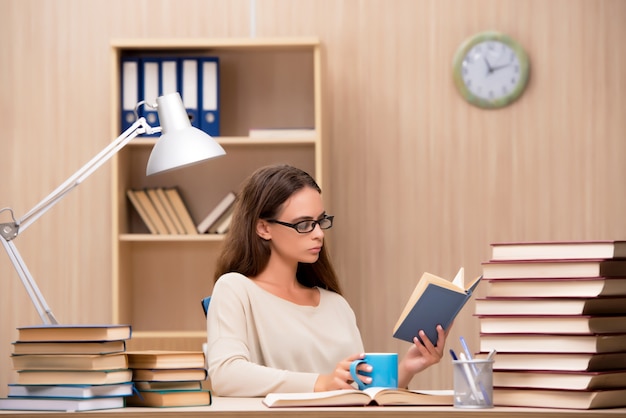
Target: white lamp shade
{"type": "Point", "coordinates": [180, 144]}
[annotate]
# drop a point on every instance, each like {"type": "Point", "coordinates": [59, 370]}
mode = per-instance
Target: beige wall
{"type": "Point", "coordinates": [418, 180]}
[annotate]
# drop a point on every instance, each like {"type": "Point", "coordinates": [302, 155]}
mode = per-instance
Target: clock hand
{"type": "Point", "coordinates": [494, 69]}
{"type": "Point", "coordinates": [499, 67]}
{"type": "Point", "coordinates": [489, 69]}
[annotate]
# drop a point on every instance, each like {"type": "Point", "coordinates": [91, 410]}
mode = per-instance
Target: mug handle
{"type": "Point", "coordinates": [354, 374]}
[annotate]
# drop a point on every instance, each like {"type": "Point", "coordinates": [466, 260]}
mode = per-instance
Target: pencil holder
{"type": "Point", "coordinates": [473, 383]}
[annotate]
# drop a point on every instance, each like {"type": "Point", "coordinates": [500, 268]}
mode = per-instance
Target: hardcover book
{"type": "Point", "coordinates": [161, 210]}
{"type": "Point", "coordinates": [222, 225]}
{"type": "Point", "coordinates": [571, 324]}
{"type": "Point", "coordinates": [60, 404]}
{"type": "Point", "coordinates": [550, 306]}
{"type": "Point", "coordinates": [176, 385]}
{"type": "Point", "coordinates": [162, 359]}
{"type": "Point", "coordinates": [587, 287]}
{"type": "Point", "coordinates": [553, 268]}
{"type": "Point", "coordinates": [434, 301]}
{"type": "Point", "coordinates": [151, 210]}
{"type": "Point", "coordinates": [553, 250]}
{"type": "Point", "coordinates": [552, 343]}
{"type": "Point", "coordinates": [69, 361]}
{"type": "Point", "coordinates": [589, 362]}
{"type": "Point", "coordinates": [181, 210]}
{"type": "Point", "coordinates": [547, 379]}
{"type": "Point", "coordinates": [169, 398]}
{"type": "Point", "coordinates": [105, 332]}
{"type": "Point", "coordinates": [69, 347]}
{"type": "Point", "coordinates": [143, 213]}
{"type": "Point", "coordinates": [73, 377]}
{"type": "Point", "coordinates": [170, 210]}
{"type": "Point", "coordinates": [169, 375]}
{"type": "Point", "coordinates": [567, 399]}
{"type": "Point", "coordinates": [214, 215]}
{"type": "Point", "coordinates": [291, 133]}
{"type": "Point", "coordinates": [70, 391]}
{"type": "Point", "coordinates": [370, 396]}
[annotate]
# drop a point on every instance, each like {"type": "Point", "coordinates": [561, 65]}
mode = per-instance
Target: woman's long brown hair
{"type": "Point", "coordinates": [261, 197]}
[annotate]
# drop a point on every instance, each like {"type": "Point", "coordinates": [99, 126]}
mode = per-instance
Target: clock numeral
{"type": "Point", "coordinates": [504, 90]}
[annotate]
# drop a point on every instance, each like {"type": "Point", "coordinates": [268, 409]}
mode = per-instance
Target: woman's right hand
{"type": "Point", "coordinates": [340, 378]}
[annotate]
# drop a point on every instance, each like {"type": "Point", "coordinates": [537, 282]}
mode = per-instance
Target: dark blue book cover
{"type": "Point", "coordinates": [435, 301]}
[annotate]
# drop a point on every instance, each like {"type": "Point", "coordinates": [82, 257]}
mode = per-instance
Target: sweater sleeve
{"type": "Point", "coordinates": [231, 369]}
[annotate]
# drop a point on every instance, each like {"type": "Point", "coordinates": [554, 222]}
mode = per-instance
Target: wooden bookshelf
{"type": "Point", "coordinates": [158, 280]}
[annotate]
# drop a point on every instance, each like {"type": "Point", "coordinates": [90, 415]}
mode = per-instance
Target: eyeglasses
{"type": "Point", "coordinates": [304, 227]}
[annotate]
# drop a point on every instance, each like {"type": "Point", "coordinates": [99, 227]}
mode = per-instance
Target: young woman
{"type": "Point", "coordinates": [277, 321]}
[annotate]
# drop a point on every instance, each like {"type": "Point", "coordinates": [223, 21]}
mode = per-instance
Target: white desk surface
{"type": "Point", "coordinates": [252, 408]}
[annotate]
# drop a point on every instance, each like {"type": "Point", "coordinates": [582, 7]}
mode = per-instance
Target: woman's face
{"type": "Point", "coordinates": [286, 242]}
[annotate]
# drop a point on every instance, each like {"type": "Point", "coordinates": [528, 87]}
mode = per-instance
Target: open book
{"type": "Point", "coordinates": [435, 301]}
{"type": "Point", "coordinates": [369, 396]}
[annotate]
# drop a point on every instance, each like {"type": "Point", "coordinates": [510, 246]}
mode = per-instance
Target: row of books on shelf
{"type": "Point", "coordinates": [87, 367]}
{"type": "Point", "coordinates": [555, 312]}
{"type": "Point", "coordinates": [144, 78]}
{"type": "Point", "coordinates": [163, 211]}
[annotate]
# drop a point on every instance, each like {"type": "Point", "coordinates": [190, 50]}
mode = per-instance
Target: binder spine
{"type": "Point", "coordinates": [150, 89]}
{"type": "Point", "coordinates": [209, 95]}
{"type": "Point", "coordinates": [130, 91]}
{"type": "Point", "coordinates": [189, 88]}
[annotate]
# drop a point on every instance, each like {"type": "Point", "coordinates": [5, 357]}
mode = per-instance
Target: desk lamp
{"type": "Point", "coordinates": [180, 145]}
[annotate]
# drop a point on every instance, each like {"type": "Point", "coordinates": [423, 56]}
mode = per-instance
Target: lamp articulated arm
{"type": "Point", "coordinates": [180, 145]}
{"type": "Point", "coordinates": [10, 230]}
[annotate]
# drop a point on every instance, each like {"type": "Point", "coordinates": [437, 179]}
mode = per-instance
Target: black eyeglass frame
{"type": "Point", "coordinates": [314, 223]}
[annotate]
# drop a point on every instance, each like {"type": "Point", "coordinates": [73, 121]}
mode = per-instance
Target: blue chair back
{"type": "Point", "coordinates": [205, 304]}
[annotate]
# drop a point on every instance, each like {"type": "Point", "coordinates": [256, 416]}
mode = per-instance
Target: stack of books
{"type": "Point", "coordinates": [70, 368]}
{"type": "Point", "coordinates": [168, 378]}
{"type": "Point", "coordinates": [555, 312]}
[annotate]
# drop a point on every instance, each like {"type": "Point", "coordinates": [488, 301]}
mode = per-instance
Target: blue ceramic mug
{"type": "Point", "coordinates": [384, 370]}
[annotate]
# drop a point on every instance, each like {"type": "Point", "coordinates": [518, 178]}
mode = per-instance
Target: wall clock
{"type": "Point", "coordinates": [490, 70]}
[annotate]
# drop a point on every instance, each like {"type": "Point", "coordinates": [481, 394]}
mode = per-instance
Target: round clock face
{"type": "Point", "coordinates": [490, 70]}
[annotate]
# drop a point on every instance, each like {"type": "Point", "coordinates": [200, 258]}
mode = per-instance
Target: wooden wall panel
{"type": "Point", "coordinates": [418, 179]}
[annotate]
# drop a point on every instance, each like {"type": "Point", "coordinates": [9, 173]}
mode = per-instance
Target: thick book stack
{"type": "Point", "coordinates": [70, 368]}
{"type": "Point", "coordinates": [168, 378]}
{"type": "Point", "coordinates": [555, 312]}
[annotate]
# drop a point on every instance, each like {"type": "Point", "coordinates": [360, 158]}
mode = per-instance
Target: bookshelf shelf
{"type": "Point", "coordinates": [158, 280]}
